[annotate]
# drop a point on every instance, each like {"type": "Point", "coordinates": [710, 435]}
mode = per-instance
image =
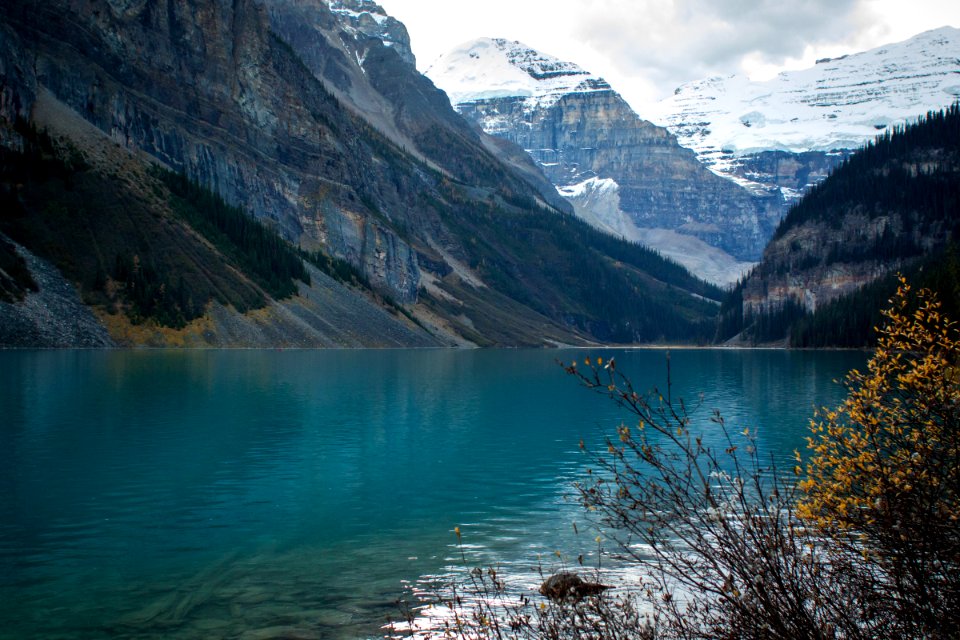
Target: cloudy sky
{"type": "Point", "coordinates": [646, 48]}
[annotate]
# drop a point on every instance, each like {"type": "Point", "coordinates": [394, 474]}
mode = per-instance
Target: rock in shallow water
{"type": "Point", "coordinates": [569, 586]}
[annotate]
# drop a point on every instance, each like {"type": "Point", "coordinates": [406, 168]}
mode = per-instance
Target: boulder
{"type": "Point", "coordinates": [569, 586]}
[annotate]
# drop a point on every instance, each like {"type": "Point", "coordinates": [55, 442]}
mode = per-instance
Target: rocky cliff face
{"type": "Point", "coordinates": [312, 117]}
{"type": "Point", "coordinates": [367, 19]}
{"type": "Point", "coordinates": [208, 89]}
{"type": "Point", "coordinates": [791, 173]}
{"type": "Point", "coordinates": [597, 201]}
{"type": "Point", "coordinates": [84, 202]}
{"type": "Point", "coordinates": [577, 129]}
{"type": "Point", "coordinates": [363, 57]}
{"type": "Point", "coordinates": [798, 268]}
{"type": "Point", "coordinates": [788, 132]}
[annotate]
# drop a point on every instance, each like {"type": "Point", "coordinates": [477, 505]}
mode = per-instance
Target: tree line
{"type": "Point", "coordinates": [908, 175]}
{"type": "Point", "coordinates": [270, 260]}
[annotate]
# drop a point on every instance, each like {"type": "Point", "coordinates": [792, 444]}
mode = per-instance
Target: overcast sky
{"type": "Point", "coordinates": [646, 48]}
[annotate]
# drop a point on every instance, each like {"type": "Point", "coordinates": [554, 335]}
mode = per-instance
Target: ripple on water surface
{"type": "Point", "coordinates": [256, 494]}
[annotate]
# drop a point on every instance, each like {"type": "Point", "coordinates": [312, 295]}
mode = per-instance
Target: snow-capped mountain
{"type": "Point", "coordinates": [489, 68]}
{"type": "Point", "coordinates": [838, 104]}
{"type": "Point", "coordinates": [623, 174]}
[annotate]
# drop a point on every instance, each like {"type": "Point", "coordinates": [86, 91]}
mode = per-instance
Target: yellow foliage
{"type": "Point", "coordinates": [888, 455]}
{"type": "Point", "coordinates": [151, 334]}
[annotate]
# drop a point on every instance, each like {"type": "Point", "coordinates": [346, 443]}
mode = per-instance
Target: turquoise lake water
{"type": "Point", "coordinates": [252, 494]}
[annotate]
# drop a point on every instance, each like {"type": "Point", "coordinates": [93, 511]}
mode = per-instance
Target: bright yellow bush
{"type": "Point", "coordinates": [885, 463]}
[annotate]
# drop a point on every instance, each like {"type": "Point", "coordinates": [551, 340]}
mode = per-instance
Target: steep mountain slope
{"type": "Point", "coordinates": [597, 202]}
{"type": "Point", "coordinates": [578, 130]}
{"type": "Point", "coordinates": [894, 205]}
{"type": "Point", "coordinates": [789, 131]}
{"type": "Point", "coordinates": [313, 119]}
{"type": "Point", "coordinates": [159, 261]}
{"type": "Point", "coordinates": [363, 57]}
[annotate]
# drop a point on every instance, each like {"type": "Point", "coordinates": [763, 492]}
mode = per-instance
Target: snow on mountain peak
{"type": "Point", "coordinates": [489, 68]}
{"type": "Point", "coordinates": [358, 7]}
{"type": "Point", "coordinates": [357, 10]}
{"type": "Point", "coordinates": [839, 103]}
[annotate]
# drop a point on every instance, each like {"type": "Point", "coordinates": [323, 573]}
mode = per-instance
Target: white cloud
{"type": "Point", "coordinates": [678, 40]}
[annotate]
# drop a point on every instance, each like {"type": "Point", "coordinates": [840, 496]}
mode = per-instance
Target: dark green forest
{"type": "Point", "coordinates": [881, 178]}
{"type": "Point", "coordinates": [911, 175]}
{"type": "Point", "coordinates": [260, 251]}
{"type": "Point", "coordinates": [123, 248]}
{"type": "Point", "coordinates": [617, 291]}
{"type": "Point", "coordinates": [850, 321]}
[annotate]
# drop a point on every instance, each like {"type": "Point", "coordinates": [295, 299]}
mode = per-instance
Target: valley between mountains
{"type": "Point", "coordinates": [278, 173]}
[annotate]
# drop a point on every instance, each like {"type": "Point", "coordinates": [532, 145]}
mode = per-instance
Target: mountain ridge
{"type": "Point", "coordinates": [521, 71]}
{"type": "Point", "coordinates": [577, 129]}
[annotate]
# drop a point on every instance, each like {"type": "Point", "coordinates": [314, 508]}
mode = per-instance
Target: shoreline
{"type": "Point", "coordinates": [623, 347]}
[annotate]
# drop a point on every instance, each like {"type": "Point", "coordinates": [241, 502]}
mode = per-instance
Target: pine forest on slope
{"type": "Point", "coordinates": [892, 206]}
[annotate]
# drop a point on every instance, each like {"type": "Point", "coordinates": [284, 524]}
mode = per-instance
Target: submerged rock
{"type": "Point", "coordinates": [569, 586]}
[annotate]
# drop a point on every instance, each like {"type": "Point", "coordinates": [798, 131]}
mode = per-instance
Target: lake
{"type": "Point", "coordinates": [252, 494]}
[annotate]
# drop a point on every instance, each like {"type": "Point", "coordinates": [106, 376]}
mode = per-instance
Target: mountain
{"type": "Point", "coordinates": [311, 118]}
{"type": "Point", "coordinates": [893, 206]}
{"type": "Point", "coordinates": [367, 19]}
{"type": "Point", "coordinates": [788, 132]}
{"type": "Point", "coordinates": [124, 253]}
{"type": "Point", "coordinates": [579, 131]}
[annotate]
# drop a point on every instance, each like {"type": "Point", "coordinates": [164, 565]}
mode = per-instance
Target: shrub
{"type": "Point", "coordinates": [884, 479]}
{"type": "Point", "coordinates": [712, 526]}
